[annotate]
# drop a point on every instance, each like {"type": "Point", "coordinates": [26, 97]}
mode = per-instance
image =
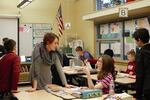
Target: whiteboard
{"type": "Point", "coordinates": [29, 35]}
{"type": "Point", "coordinates": [9, 29]}
{"type": "Point", "coordinates": [25, 39]}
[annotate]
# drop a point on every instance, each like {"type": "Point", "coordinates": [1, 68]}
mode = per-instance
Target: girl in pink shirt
{"type": "Point", "coordinates": [106, 73]}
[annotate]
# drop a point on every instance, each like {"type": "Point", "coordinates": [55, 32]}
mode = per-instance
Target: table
{"type": "Point", "coordinates": [76, 70]}
{"type": "Point", "coordinates": [124, 80]}
{"type": "Point", "coordinates": [38, 95]}
{"type": "Point", "coordinates": [72, 74]}
{"type": "Point", "coordinates": [43, 95]}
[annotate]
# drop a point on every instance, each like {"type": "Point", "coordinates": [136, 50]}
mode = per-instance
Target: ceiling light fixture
{"type": "Point", "coordinates": [24, 3]}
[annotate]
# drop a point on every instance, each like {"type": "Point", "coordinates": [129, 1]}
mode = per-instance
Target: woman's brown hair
{"type": "Point", "coordinates": [107, 67]}
{"type": "Point", "coordinates": [49, 37]}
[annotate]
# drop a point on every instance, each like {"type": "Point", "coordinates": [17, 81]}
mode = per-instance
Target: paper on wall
{"type": "Point", "coordinates": [116, 47]}
{"type": "Point", "coordinates": [104, 47]}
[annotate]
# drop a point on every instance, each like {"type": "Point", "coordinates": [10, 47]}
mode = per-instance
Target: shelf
{"type": "Point", "coordinates": [108, 40]}
{"type": "Point", "coordinates": [38, 36]}
{"type": "Point", "coordinates": [24, 82]}
{"type": "Point", "coordinates": [136, 9]}
{"type": "Point", "coordinates": [24, 78]}
{"type": "Point", "coordinates": [41, 29]}
{"type": "Point", "coordinates": [26, 63]}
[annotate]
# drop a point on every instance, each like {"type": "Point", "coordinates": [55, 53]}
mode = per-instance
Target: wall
{"type": "Point", "coordinates": [44, 11]}
{"type": "Point", "coordinates": [40, 11]}
{"type": "Point", "coordinates": [85, 29]}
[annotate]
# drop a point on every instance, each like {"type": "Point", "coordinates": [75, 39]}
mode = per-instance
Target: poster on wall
{"type": "Point", "coordinates": [116, 30]}
{"type": "Point", "coordinates": [104, 46]}
{"type": "Point", "coordinates": [130, 27]}
{"type": "Point", "coordinates": [116, 47]}
{"type": "Point", "coordinates": [104, 31]}
{"type": "Point", "coordinates": [143, 23]}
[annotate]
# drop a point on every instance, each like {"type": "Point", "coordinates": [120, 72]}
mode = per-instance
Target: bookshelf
{"type": "Point", "coordinates": [24, 74]}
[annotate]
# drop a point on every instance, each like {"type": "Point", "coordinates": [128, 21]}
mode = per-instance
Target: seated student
{"type": "Point", "coordinates": [131, 62]}
{"type": "Point", "coordinates": [106, 74]}
{"type": "Point", "coordinates": [9, 70]}
{"type": "Point", "coordinates": [85, 55]}
{"type": "Point", "coordinates": [110, 53]}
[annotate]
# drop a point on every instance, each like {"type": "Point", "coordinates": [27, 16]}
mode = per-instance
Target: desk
{"type": "Point", "coordinates": [72, 74]}
{"type": "Point", "coordinates": [43, 95]}
{"type": "Point", "coordinates": [38, 95]}
{"type": "Point", "coordinates": [120, 80]}
{"type": "Point", "coordinates": [77, 70]}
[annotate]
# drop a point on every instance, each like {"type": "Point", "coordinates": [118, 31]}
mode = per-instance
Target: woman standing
{"type": "Point", "coordinates": [43, 57]}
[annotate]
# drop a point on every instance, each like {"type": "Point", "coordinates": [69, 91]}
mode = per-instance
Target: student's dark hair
{"type": "Point", "coordinates": [107, 67]}
{"type": "Point", "coordinates": [5, 39]}
{"type": "Point", "coordinates": [49, 37]}
{"type": "Point", "coordinates": [142, 34]}
{"type": "Point", "coordinates": [109, 52]}
{"type": "Point", "coordinates": [79, 48]}
{"type": "Point", "coordinates": [9, 45]}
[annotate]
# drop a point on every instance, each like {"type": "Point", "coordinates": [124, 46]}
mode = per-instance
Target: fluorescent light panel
{"type": "Point", "coordinates": [24, 3]}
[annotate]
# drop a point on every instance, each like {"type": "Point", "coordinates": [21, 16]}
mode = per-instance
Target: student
{"type": "Point", "coordinates": [131, 62]}
{"type": "Point", "coordinates": [2, 49]}
{"type": "Point", "coordinates": [9, 70]}
{"type": "Point", "coordinates": [85, 56]}
{"type": "Point", "coordinates": [43, 57]}
{"type": "Point", "coordinates": [106, 74]}
{"type": "Point", "coordinates": [141, 37]}
{"type": "Point", "coordinates": [5, 39]}
{"type": "Point", "coordinates": [109, 52]}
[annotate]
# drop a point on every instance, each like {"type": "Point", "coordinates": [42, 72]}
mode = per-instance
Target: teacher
{"type": "Point", "coordinates": [45, 55]}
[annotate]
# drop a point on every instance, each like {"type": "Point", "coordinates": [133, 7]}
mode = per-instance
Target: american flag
{"type": "Point", "coordinates": [60, 23]}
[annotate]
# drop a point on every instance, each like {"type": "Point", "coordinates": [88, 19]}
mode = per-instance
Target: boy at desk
{"type": "Point", "coordinates": [131, 63]}
{"type": "Point", "coordinates": [85, 56]}
{"type": "Point", "coordinates": [105, 75]}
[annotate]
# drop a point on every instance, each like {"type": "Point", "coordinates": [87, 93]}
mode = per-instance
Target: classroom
{"type": "Point", "coordinates": [74, 49]}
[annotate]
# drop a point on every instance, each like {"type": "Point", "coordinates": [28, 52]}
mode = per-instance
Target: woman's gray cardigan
{"type": "Point", "coordinates": [40, 70]}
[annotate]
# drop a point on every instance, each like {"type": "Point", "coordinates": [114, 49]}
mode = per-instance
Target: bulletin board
{"type": "Point", "coordinates": [111, 31]}
{"type": "Point", "coordinates": [31, 34]}
{"type": "Point", "coordinates": [131, 26]}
